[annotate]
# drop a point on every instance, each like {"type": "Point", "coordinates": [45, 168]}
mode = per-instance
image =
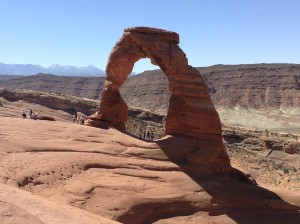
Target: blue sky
{"type": "Point", "coordinates": [83, 32]}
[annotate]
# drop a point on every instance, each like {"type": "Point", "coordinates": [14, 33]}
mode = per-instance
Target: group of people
{"type": "Point", "coordinates": [78, 120]}
{"type": "Point", "coordinates": [32, 115]}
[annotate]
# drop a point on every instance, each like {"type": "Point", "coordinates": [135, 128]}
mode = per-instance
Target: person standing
{"type": "Point", "coordinates": [23, 114]}
{"type": "Point", "coordinates": [74, 118]}
{"type": "Point", "coordinates": [31, 114]}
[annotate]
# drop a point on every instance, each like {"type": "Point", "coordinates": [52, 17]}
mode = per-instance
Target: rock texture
{"type": "Point", "coordinates": [271, 158]}
{"type": "Point", "coordinates": [260, 86]}
{"type": "Point", "coordinates": [88, 87]}
{"type": "Point", "coordinates": [116, 176]}
{"type": "Point", "coordinates": [191, 113]}
{"type": "Point", "coordinates": [111, 174]}
{"type": "Point", "coordinates": [70, 104]}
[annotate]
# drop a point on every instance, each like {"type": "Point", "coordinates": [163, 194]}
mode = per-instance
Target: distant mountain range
{"type": "Point", "coordinates": [64, 70]}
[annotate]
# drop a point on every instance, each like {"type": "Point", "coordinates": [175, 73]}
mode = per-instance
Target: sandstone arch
{"type": "Point", "coordinates": [191, 111]}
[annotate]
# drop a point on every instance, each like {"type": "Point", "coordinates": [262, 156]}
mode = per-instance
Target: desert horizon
{"type": "Point", "coordinates": [149, 112]}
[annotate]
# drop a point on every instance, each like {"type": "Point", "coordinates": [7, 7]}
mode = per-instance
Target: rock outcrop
{"type": "Point", "coordinates": [70, 104]}
{"type": "Point", "coordinates": [191, 113]}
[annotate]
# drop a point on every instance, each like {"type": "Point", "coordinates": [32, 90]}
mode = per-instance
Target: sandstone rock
{"type": "Point", "coordinates": [273, 143]}
{"type": "Point", "coordinates": [118, 177]}
{"type": "Point", "coordinates": [261, 86]}
{"type": "Point", "coordinates": [291, 147]}
{"type": "Point", "coordinates": [191, 112]}
{"type": "Point", "coordinates": [66, 103]}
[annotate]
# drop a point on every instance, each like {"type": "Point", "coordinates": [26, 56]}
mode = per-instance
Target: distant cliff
{"type": "Point", "coordinates": [259, 86]}
{"type": "Point", "coordinates": [77, 86]}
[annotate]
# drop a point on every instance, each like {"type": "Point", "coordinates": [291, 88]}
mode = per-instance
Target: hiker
{"type": "Point", "coordinates": [147, 135]}
{"type": "Point", "coordinates": [74, 118]}
{"type": "Point", "coordinates": [81, 121]}
{"type": "Point", "coordinates": [31, 114]}
{"type": "Point", "coordinates": [98, 110]}
{"type": "Point", "coordinates": [152, 135]}
{"type": "Point", "coordinates": [23, 114]}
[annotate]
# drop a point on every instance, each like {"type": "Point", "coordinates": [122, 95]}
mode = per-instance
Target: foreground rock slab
{"type": "Point", "coordinates": [118, 177]}
{"type": "Point", "coordinates": [18, 206]}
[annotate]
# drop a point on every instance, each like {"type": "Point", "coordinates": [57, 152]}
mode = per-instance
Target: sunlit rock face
{"type": "Point", "coordinates": [191, 114]}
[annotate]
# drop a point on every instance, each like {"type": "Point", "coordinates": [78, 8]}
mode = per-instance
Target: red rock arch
{"type": "Point", "coordinates": [190, 112]}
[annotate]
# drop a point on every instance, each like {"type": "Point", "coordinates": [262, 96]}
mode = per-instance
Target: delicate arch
{"type": "Point", "coordinates": [190, 112]}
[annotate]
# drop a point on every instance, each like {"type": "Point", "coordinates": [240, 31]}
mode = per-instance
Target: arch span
{"type": "Point", "coordinates": [190, 112]}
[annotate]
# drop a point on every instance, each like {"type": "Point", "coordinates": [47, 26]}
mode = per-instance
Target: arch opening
{"type": "Point", "coordinates": [190, 111]}
{"type": "Point", "coordinates": [144, 65]}
{"type": "Point", "coordinates": [146, 108]}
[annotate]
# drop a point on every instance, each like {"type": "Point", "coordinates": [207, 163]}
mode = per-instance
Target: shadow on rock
{"type": "Point", "coordinates": [232, 192]}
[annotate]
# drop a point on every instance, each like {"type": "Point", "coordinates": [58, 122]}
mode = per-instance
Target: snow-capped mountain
{"type": "Point", "coordinates": [65, 70]}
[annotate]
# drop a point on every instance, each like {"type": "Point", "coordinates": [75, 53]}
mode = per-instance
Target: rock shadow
{"type": "Point", "coordinates": [233, 193]}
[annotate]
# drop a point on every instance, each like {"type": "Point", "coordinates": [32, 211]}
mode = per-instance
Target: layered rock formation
{"type": "Point", "coordinates": [69, 104]}
{"type": "Point", "coordinates": [191, 113]}
{"type": "Point", "coordinates": [259, 86]}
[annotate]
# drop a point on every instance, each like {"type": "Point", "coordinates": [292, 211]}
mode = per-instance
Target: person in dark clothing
{"type": "Point", "coordinates": [23, 114]}
{"type": "Point", "coordinates": [31, 114]}
{"type": "Point", "coordinates": [148, 135]}
{"type": "Point", "coordinates": [152, 135]}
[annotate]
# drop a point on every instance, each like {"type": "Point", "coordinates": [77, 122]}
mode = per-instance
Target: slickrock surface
{"type": "Point", "coordinates": [115, 176]}
{"type": "Point", "coordinates": [21, 207]}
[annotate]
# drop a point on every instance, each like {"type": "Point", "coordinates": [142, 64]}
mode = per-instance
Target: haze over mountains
{"type": "Point", "coordinates": [66, 70]}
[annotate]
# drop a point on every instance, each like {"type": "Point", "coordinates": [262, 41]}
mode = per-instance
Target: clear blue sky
{"type": "Point", "coordinates": [83, 32]}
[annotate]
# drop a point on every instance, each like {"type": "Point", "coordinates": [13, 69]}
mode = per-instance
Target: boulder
{"type": "Point", "coordinates": [291, 147]}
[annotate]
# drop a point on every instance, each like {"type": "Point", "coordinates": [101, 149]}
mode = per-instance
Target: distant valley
{"type": "Point", "coordinates": [259, 86]}
{"type": "Point", "coordinates": [264, 96]}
